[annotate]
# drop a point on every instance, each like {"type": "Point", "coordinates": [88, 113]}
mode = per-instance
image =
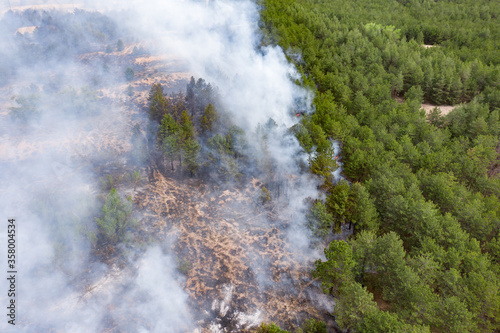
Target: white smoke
{"type": "Point", "coordinates": [220, 42]}
{"type": "Point", "coordinates": [337, 174]}
{"type": "Point", "coordinates": [156, 297]}
{"type": "Point", "coordinates": [49, 185]}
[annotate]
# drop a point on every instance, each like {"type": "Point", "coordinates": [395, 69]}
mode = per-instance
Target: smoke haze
{"type": "Point", "coordinates": [78, 127]}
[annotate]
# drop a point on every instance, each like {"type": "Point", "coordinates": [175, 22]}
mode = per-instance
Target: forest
{"type": "Point", "coordinates": [192, 135]}
{"type": "Point", "coordinates": [422, 190]}
{"type": "Point", "coordinates": [189, 132]}
{"type": "Point", "coordinates": [150, 208]}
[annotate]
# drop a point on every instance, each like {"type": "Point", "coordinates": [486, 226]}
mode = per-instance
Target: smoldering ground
{"type": "Point", "coordinates": [63, 127]}
{"type": "Point", "coordinates": [51, 182]}
{"type": "Point", "coordinates": [220, 42]}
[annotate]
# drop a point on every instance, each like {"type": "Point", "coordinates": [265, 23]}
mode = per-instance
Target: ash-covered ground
{"type": "Point", "coordinates": [234, 253]}
{"type": "Point", "coordinates": [203, 256]}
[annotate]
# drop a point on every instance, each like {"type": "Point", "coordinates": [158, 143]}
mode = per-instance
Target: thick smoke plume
{"type": "Point", "coordinates": [62, 127]}
{"type": "Point", "coordinates": [52, 161]}
{"type": "Point", "coordinates": [220, 41]}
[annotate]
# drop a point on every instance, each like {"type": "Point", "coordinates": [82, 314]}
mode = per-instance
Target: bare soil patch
{"type": "Point", "coordinates": [26, 30]}
{"type": "Point", "coordinates": [445, 109]}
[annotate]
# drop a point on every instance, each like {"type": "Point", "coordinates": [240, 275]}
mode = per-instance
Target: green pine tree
{"type": "Point", "coordinates": [157, 102]}
{"type": "Point", "coordinates": [116, 218]}
{"type": "Point", "coordinates": [208, 119]}
{"type": "Point", "coordinates": [191, 151]}
{"type": "Point", "coordinates": [169, 138]}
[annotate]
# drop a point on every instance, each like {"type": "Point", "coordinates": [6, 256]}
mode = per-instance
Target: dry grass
{"type": "Point", "coordinates": [109, 131]}
{"type": "Point", "coordinates": [229, 241]}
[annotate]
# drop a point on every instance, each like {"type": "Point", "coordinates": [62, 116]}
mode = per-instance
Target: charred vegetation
{"type": "Point", "coordinates": [152, 180]}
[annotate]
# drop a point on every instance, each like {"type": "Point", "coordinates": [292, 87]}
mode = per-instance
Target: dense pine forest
{"type": "Point", "coordinates": [423, 188]}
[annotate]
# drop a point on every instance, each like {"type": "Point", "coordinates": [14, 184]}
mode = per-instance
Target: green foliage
{"type": "Point", "coordinates": [223, 156]}
{"type": "Point", "coordinates": [323, 163]}
{"type": "Point", "coordinates": [435, 117]}
{"type": "Point", "coordinates": [265, 195]}
{"type": "Point", "coordinates": [27, 109]}
{"type": "Point", "coordinates": [353, 304]}
{"type": "Point", "coordinates": [405, 282]}
{"type": "Point", "coordinates": [314, 326]}
{"type": "Point", "coordinates": [184, 266]}
{"type": "Point", "coordinates": [157, 103]}
{"type": "Point", "coordinates": [119, 45]}
{"type": "Point", "coordinates": [177, 136]}
{"type": "Point", "coordinates": [415, 93]}
{"type": "Point", "coordinates": [191, 158]}
{"type": "Point", "coordinates": [494, 249]}
{"type": "Point", "coordinates": [187, 142]}
{"type": "Point", "coordinates": [129, 74]}
{"type": "Point", "coordinates": [169, 138]}
{"type": "Point", "coordinates": [136, 178]}
{"type": "Point", "coordinates": [270, 328]}
{"type": "Point", "coordinates": [382, 322]}
{"type": "Point", "coordinates": [361, 210]}
{"type": "Point", "coordinates": [116, 218]}
{"type": "Point", "coordinates": [454, 316]}
{"type": "Point", "coordinates": [108, 182]}
{"type": "Point", "coordinates": [218, 153]}
{"type": "Point", "coordinates": [309, 326]}
{"type": "Point", "coordinates": [208, 119]}
{"type": "Point", "coordinates": [199, 94]}
{"type": "Point", "coordinates": [426, 206]}
{"type": "Point", "coordinates": [337, 202]}
{"type": "Point", "coordinates": [303, 136]}
{"type": "Point", "coordinates": [338, 268]}
{"type": "Point", "coordinates": [319, 220]}
{"type": "Point", "coordinates": [186, 127]}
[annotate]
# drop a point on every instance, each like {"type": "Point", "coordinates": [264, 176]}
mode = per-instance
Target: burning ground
{"type": "Point", "coordinates": [203, 255]}
{"type": "Point", "coordinates": [233, 252]}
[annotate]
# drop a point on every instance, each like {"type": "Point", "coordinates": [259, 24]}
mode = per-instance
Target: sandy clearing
{"type": "Point", "coordinates": [445, 109]}
{"type": "Point", "coordinates": [26, 30]}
